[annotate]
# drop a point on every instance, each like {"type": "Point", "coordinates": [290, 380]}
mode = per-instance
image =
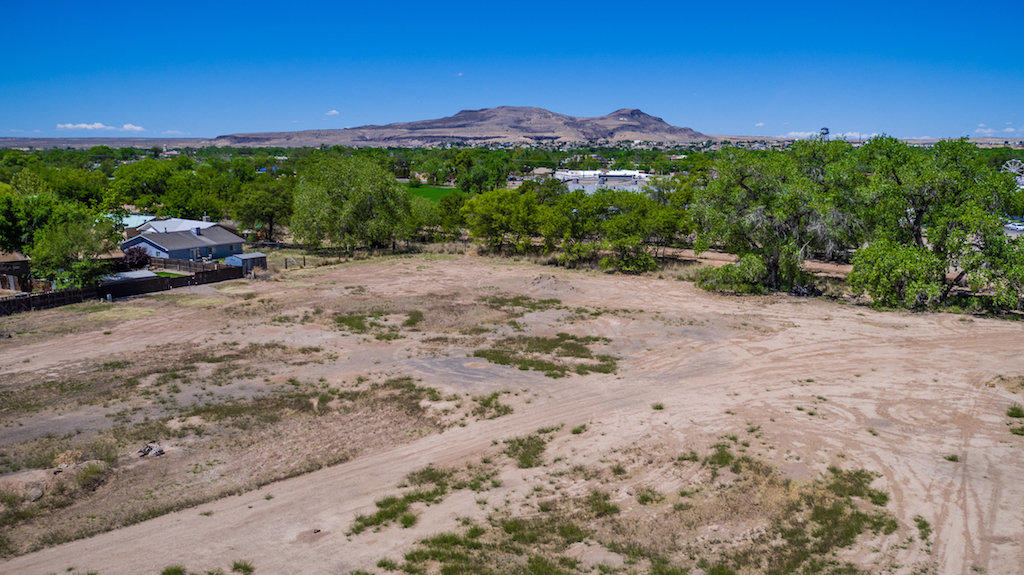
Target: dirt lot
{"type": "Point", "coordinates": [573, 421]}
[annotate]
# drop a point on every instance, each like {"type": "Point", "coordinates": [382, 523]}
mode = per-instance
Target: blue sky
{"type": "Point", "coordinates": [910, 69]}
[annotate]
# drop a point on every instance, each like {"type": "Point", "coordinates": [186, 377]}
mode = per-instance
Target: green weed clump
{"type": "Point", "coordinates": [91, 476]}
{"type": "Point", "coordinates": [924, 529]}
{"type": "Point", "coordinates": [528, 450]}
{"type": "Point", "coordinates": [523, 302]}
{"type": "Point", "coordinates": [554, 356]}
{"type": "Point", "coordinates": [406, 387]}
{"type": "Point", "coordinates": [721, 456]}
{"type": "Point", "coordinates": [1015, 411]}
{"type": "Point", "coordinates": [647, 496]}
{"type": "Point", "coordinates": [392, 508]}
{"type": "Point", "coordinates": [355, 323]}
{"type": "Point", "coordinates": [414, 318]}
{"type": "Point", "coordinates": [430, 485]}
{"type": "Point", "coordinates": [599, 503]}
{"type": "Point", "coordinates": [530, 546]}
{"type": "Point", "coordinates": [489, 406]}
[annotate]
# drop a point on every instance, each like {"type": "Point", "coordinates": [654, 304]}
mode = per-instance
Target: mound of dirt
{"type": "Point", "coordinates": [551, 283]}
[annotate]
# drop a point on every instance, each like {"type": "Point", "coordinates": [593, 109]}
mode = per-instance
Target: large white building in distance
{"type": "Point", "coordinates": [592, 180]}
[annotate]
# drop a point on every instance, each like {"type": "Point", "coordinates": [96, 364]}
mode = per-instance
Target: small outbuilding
{"type": "Point", "coordinates": [247, 261]}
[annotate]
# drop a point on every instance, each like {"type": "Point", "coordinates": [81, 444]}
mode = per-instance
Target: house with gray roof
{"type": "Point", "coordinates": [212, 242]}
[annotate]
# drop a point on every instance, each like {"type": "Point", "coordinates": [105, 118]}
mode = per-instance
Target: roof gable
{"type": "Point", "coordinates": [168, 241]}
{"type": "Point", "coordinates": [174, 225]}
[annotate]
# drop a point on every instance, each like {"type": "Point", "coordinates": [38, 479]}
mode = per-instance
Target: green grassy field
{"type": "Point", "coordinates": [170, 275]}
{"type": "Point", "coordinates": [432, 193]}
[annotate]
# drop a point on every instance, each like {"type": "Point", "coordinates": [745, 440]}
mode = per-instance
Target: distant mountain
{"type": "Point", "coordinates": [502, 125]}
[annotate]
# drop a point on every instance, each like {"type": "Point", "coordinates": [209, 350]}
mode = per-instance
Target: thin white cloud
{"type": "Point", "coordinates": [84, 126]}
{"type": "Point", "coordinates": [173, 133]}
{"type": "Point", "coordinates": [981, 125]}
{"type": "Point", "coordinates": [458, 73]}
{"type": "Point", "coordinates": [100, 126]}
{"type": "Point", "coordinates": [984, 131]}
{"type": "Point", "coordinates": [332, 113]}
{"type": "Point", "coordinates": [1009, 130]}
{"type": "Point", "coordinates": [801, 134]}
{"type": "Point", "coordinates": [759, 124]}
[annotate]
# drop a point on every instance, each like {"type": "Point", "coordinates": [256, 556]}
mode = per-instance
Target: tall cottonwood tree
{"type": "Point", "coordinates": [265, 203]}
{"type": "Point", "coordinates": [938, 222]}
{"type": "Point", "coordinates": [349, 202]}
{"type": "Point", "coordinates": [774, 209]}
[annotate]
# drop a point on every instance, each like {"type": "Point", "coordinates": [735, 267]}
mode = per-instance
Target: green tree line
{"type": "Point", "coordinates": [914, 223]}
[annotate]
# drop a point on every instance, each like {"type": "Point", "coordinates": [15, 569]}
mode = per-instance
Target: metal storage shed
{"type": "Point", "coordinates": [247, 261]}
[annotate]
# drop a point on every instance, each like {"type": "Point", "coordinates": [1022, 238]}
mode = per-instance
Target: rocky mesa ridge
{"type": "Point", "coordinates": [501, 125]}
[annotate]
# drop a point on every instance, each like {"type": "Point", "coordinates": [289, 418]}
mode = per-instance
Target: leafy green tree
{"type": "Point", "coordinates": [28, 182]}
{"type": "Point", "coordinates": [482, 177]}
{"type": "Point", "coordinates": [348, 202]}
{"type": "Point", "coordinates": [22, 216]}
{"type": "Point", "coordinates": [450, 214]}
{"type": "Point", "coordinates": [573, 226]}
{"type": "Point", "coordinates": [503, 219]}
{"type": "Point", "coordinates": [424, 219]}
{"type": "Point", "coordinates": [744, 276]}
{"type": "Point", "coordinates": [766, 205]}
{"type": "Point", "coordinates": [547, 190]}
{"type": "Point", "coordinates": [265, 204]}
{"type": "Point", "coordinates": [146, 178]}
{"type": "Point", "coordinates": [938, 223]}
{"type": "Point", "coordinates": [85, 186]}
{"type": "Point", "coordinates": [12, 228]}
{"type": "Point", "coordinates": [627, 225]}
{"type": "Point", "coordinates": [66, 252]}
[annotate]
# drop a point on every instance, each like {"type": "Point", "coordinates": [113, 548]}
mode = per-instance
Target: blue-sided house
{"type": "Point", "coordinates": [213, 242]}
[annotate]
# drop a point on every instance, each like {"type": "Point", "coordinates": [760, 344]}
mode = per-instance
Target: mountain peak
{"type": "Point", "coordinates": [629, 112]}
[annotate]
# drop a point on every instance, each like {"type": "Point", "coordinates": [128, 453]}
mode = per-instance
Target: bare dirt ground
{"type": "Point", "coordinates": [796, 384]}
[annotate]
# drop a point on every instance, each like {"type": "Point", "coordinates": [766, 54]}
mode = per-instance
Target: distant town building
{"type": "Point", "coordinates": [592, 180]}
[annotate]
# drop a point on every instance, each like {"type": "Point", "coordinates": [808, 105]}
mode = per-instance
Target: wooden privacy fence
{"type": "Point", "coordinates": [45, 300]}
{"type": "Point", "coordinates": [184, 265]}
